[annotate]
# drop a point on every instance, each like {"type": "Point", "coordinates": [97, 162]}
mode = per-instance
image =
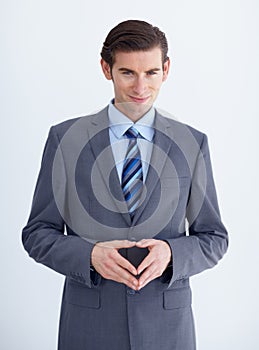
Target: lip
{"type": "Point", "coordinates": [139, 99]}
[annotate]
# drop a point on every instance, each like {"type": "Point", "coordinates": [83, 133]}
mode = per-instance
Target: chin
{"type": "Point", "coordinates": [134, 110]}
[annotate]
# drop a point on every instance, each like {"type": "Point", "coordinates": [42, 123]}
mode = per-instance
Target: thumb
{"type": "Point", "coordinates": [124, 244]}
{"type": "Point", "coordinates": [144, 243]}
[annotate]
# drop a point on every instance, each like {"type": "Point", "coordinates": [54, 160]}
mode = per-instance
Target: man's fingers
{"type": "Point", "coordinates": [155, 263]}
{"type": "Point", "coordinates": [149, 259]}
{"type": "Point", "coordinates": [144, 243]}
{"type": "Point", "coordinates": [113, 256]}
{"type": "Point", "coordinates": [111, 265]}
{"type": "Point", "coordinates": [112, 271]}
{"type": "Point", "coordinates": [117, 244]}
{"type": "Point", "coordinates": [121, 275]}
{"type": "Point", "coordinates": [124, 263]}
{"type": "Point", "coordinates": [148, 275]}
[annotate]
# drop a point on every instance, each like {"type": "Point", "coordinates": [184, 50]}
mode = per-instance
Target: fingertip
{"type": "Point", "coordinates": [140, 269]}
{"type": "Point", "coordinates": [134, 283]}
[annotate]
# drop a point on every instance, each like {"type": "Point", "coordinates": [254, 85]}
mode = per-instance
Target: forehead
{"type": "Point", "coordinates": [137, 60]}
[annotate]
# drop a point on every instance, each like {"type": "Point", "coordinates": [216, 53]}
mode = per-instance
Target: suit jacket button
{"type": "Point", "coordinates": [130, 291]}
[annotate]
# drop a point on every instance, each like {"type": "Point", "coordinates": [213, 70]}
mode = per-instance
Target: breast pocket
{"type": "Point", "coordinates": [80, 295]}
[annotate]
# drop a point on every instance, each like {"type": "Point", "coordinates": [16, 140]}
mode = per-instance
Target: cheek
{"type": "Point", "coordinates": [155, 86]}
{"type": "Point", "coordinates": [120, 85]}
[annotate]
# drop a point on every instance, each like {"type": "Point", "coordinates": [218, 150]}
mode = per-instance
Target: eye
{"type": "Point", "coordinates": [126, 72]}
{"type": "Point", "coordinates": [151, 72]}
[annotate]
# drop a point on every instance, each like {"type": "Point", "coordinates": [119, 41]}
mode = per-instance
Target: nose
{"type": "Point", "coordinates": [140, 86]}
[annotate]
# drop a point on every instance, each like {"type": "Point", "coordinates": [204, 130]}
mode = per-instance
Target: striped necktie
{"type": "Point", "coordinates": [132, 173]}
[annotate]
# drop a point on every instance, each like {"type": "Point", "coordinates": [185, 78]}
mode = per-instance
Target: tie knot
{"type": "Point", "coordinates": [132, 133]}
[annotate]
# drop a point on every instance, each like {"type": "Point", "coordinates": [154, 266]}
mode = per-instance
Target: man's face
{"type": "Point", "coordinates": [137, 78]}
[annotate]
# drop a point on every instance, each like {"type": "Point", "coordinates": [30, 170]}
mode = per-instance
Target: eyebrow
{"type": "Point", "coordinates": [131, 71]}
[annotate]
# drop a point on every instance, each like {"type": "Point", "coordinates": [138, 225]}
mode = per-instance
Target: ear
{"type": "Point", "coordinates": [166, 69]}
{"type": "Point", "coordinates": [106, 69]}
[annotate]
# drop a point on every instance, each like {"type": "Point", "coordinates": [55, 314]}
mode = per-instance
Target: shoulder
{"type": "Point", "coordinates": [179, 129]}
{"type": "Point", "coordinates": [83, 121]}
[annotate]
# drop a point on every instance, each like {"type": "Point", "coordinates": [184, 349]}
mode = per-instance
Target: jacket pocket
{"type": "Point", "coordinates": [80, 295]}
{"type": "Point", "coordinates": [177, 298]}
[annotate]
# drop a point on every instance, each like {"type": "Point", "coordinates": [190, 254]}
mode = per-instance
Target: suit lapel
{"type": "Point", "coordinates": [99, 138]}
{"type": "Point", "coordinates": [161, 148]}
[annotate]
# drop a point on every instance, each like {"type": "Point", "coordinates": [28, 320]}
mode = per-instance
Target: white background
{"type": "Point", "coordinates": [50, 72]}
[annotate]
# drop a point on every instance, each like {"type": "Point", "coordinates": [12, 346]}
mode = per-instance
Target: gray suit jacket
{"type": "Point", "coordinates": [78, 201]}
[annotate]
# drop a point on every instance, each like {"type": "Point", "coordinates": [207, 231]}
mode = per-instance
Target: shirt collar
{"type": "Point", "coordinates": [119, 122]}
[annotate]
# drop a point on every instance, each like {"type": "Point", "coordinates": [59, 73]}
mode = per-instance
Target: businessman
{"type": "Point", "coordinates": [125, 208]}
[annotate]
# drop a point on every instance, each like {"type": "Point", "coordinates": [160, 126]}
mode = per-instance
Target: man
{"type": "Point", "coordinates": [134, 192]}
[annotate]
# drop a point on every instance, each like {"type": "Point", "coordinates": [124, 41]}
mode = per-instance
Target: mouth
{"type": "Point", "coordinates": [139, 99]}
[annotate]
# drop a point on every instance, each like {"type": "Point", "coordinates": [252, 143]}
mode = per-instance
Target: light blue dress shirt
{"type": "Point", "coordinates": [118, 125]}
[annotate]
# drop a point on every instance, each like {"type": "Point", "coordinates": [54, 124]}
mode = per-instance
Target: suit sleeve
{"type": "Point", "coordinates": [44, 235]}
{"type": "Point", "coordinates": [207, 241]}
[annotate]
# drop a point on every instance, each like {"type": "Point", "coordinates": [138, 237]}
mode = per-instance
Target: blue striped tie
{"type": "Point", "coordinates": [132, 174]}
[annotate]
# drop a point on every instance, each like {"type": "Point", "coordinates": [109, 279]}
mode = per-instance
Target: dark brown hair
{"type": "Point", "coordinates": [133, 35]}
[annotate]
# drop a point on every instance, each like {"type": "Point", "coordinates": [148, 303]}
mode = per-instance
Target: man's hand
{"type": "Point", "coordinates": [155, 262]}
{"type": "Point", "coordinates": [109, 263]}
